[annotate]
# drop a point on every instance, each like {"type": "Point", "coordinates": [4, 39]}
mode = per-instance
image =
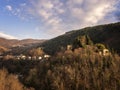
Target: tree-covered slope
{"type": "Point", "coordinates": [107, 34]}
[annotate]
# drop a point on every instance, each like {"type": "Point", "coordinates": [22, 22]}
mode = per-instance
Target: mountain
{"type": "Point", "coordinates": [107, 34]}
{"type": "Point", "coordinates": [8, 43]}
{"type": "Point", "coordinates": [14, 46]}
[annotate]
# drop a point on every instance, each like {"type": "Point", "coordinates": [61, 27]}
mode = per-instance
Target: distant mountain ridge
{"type": "Point", "coordinates": [8, 43]}
{"type": "Point", "coordinates": [14, 46]}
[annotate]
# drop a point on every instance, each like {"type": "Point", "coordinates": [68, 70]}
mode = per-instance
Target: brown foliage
{"type": "Point", "coordinates": [10, 82]}
{"type": "Point", "coordinates": [81, 69]}
{"type": "Point", "coordinates": [36, 52]}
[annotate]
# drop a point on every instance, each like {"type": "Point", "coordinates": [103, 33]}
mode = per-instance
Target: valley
{"type": "Point", "coordinates": [85, 59]}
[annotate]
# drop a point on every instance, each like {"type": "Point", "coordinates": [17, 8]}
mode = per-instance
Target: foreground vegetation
{"type": "Point", "coordinates": [82, 66]}
{"type": "Point", "coordinates": [81, 69]}
{"type": "Point", "coordinates": [10, 82]}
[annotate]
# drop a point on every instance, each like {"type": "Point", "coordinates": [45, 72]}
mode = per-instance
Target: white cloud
{"type": "Point", "coordinates": [44, 14]}
{"type": "Point", "coordinates": [58, 16]}
{"type": "Point", "coordinates": [20, 10]}
{"type": "Point", "coordinates": [98, 13]}
{"type": "Point", "coordinates": [3, 35]}
{"type": "Point", "coordinates": [48, 11]}
{"type": "Point", "coordinates": [23, 4]}
{"type": "Point", "coordinates": [9, 8]}
{"type": "Point", "coordinates": [47, 5]}
{"type": "Point", "coordinates": [90, 12]}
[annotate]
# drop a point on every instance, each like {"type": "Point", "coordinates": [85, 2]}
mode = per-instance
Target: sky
{"type": "Point", "coordinates": [45, 19]}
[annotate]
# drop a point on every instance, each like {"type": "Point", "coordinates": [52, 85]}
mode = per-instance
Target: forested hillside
{"type": "Point", "coordinates": [107, 34]}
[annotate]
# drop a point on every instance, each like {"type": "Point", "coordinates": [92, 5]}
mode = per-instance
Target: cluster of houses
{"type": "Point", "coordinates": [104, 52]}
{"type": "Point", "coordinates": [24, 57]}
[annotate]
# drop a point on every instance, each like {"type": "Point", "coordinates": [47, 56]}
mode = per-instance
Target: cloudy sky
{"type": "Point", "coordinates": [44, 19]}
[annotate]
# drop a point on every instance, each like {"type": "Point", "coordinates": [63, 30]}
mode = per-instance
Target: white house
{"type": "Point", "coordinates": [104, 52]}
{"type": "Point", "coordinates": [46, 56]}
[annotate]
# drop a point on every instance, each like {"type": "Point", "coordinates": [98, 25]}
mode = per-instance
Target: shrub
{"type": "Point", "coordinates": [10, 82]}
{"type": "Point", "coordinates": [100, 46]}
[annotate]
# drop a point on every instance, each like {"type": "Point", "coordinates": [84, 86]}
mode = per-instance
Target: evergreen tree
{"type": "Point", "coordinates": [88, 40]}
{"type": "Point", "coordinates": [79, 42]}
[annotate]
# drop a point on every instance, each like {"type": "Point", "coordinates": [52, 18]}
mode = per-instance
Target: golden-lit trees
{"type": "Point", "coordinates": [9, 81]}
{"type": "Point", "coordinates": [8, 57]}
{"type": "Point", "coordinates": [36, 52]}
{"type": "Point", "coordinates": [78, 69]}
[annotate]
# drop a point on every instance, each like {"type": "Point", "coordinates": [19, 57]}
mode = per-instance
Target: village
{"type": "Point", "coordinates": [34, 54]}
{"type": "Point", "coordinates": [24, 57]}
